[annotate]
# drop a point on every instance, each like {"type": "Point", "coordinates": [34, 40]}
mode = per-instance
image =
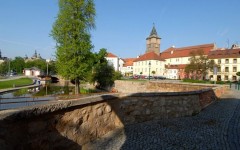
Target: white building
{"type": "Point", "coordinates": [32, 71]}
{"type": "Point", "coordinates": [115, 61]}
{"type": "Point", "coordinates": [149, 64]}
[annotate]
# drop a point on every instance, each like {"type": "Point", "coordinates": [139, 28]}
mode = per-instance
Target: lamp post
{"type": "Point", "coordinates": [149, 65]}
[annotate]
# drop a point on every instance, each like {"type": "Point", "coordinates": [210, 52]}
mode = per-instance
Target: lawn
{"type": "Point", "coordinates": [16, 82]}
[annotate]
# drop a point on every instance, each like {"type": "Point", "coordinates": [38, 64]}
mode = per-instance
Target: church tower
{"type": "Point", "coordinates": [153, 42]}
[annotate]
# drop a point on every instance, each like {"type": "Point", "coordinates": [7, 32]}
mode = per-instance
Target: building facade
{"type": "Point", "coordinates": [228, 64]}
{"type": "Point", "coordinates": [171, 62]}
{"type": "Point", "coordinates": [115, 61]}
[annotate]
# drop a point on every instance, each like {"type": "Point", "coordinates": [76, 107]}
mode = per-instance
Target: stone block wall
{"type": "Point", "coordinates": [72, 124]}
{"type": "Point", "coordinates": [134, 87]}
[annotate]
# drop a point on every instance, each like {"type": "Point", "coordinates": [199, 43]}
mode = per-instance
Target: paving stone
{"type": "Point", "coordinates": [216, 127]}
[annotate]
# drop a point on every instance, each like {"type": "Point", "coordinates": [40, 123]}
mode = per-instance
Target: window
{"type": "Point", "coordinates": [234, 61]}
{"type": "Point", "coordinates": [225, 77]}
{"type": "Point", "coordinates": [226, 61]}
{"type": "Point", "coordinates": [226, 69]}
{"type": "Point", "coordinates": [156, 62]}
{"type": "Point", "coordinates": [234, 69]}
{"type": "Point", "coordinates": [219, 61]}
{"type": "Point", "coordinates": [219, 69]}
{"type": "Point", "coordinates": [234, 78]}
{"type": "Point", "coordinates": [145, 69]}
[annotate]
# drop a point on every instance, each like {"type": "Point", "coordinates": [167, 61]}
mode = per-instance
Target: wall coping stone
{"type": "Point", "coordinates": [30, 111]}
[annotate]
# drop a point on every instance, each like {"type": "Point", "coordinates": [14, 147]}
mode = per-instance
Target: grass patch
{"type": "Point", "coordinates": [205, 81]}
{"type": "Point", "coordinates": [135, 80]}
{"type": "Point", "coordinates": [16, 82]}
{"type": "Point", "coordinates": [62, 90]}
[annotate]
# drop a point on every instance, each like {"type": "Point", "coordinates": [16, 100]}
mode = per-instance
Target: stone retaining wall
{"type": "Point", "coordinates": [72, 124]}
{"type": "Point", "coordinates": [163, 86]}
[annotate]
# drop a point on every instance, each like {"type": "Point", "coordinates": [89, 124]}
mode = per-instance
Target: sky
{"type": "Point", "coordinates": [122, 26]}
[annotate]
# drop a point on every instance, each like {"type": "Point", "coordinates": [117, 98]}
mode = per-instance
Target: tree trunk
{"type": "Point", "coordinates": [77, 85]}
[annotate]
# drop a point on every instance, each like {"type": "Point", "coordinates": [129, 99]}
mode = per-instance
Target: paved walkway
{"type": "Point", "coordinates": [216, 127]}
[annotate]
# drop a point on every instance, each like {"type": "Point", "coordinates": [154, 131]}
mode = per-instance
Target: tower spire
{"type": "Point", "coordinates": [153, 41]}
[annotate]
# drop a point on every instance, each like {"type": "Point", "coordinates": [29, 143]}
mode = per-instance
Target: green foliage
{"type": "Point", "coordinates": [87, 91]}
{"type": "Point", "coordinates": [199, 64]}
{"type": "Point", "coordinates": [103, 74]}
{"type": "Point", "coordinates": [4, 68]}
{"type": "Point", "coordinates": [195, 81]}
{"type": "Point", "coordinates": [205, 81]}
{"type": "Point", "coordinates": [117, 75]}
{"type": "Point", "coordinates": [39, 63]}
{"type": "Point", "coordinates": [20, 92]}
{"type": "Point", "coordinates": [238, 73]}
{"type": "Point", "coordinates": [72, 35]}
{"type": "Point", "coordinates": [18, 64]}
{"type": "Point", "coordinates": [153, 72]}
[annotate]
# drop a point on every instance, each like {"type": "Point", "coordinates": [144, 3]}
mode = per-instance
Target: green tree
{"type": "Point", "coordinates": [103, 74]}
{"type": "Point", "coordinates": [39, 63]}
{"type": "Point", "coordinates": [71, 31]}
{"type": "Point", "coordinates": [4, 68]}
{"type": "Point", "coordinates": [238, 74]}
{"type": "Point", "coordinates": [18, 65]}
{"type": "Point", "coordinates": [153, 72]}
{"type": "Point", "coordinates": [199, 64]}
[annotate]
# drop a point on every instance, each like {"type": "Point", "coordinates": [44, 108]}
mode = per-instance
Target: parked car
{"type": "Point", "coordinates": [160, 77]}
{"type": "Point", "coordinates": [13, 74]}
{"type": "Point", "coordinates": [147, 77]}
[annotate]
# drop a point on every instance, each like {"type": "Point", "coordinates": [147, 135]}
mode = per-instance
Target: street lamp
{"type": "Point", "coordinates": [149, 65]}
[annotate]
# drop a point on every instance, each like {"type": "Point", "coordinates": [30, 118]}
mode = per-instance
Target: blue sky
{"type": "Point", "coordinates": [122, 26]}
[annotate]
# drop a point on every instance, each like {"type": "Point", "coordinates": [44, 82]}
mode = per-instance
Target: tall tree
{"type": "Point", "coordinates": [18, 64]}
{"type": "Point", "coordinates": [71, 31]}
{"type": "Point", "coordinates": [4, 67]}
{"type": "Point", "coordinates": [199, 64]}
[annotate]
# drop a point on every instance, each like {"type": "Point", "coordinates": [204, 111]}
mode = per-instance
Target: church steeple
{"type": "Point", "coordinates": [153, 41]}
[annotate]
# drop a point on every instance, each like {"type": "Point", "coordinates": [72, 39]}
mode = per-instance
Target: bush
{"type": "Point", "coordinates": [195, 81]}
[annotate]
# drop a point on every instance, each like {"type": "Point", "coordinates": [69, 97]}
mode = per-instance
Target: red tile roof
{"type": "Point", "coordinates": [228, 53]}
{"type": "Point", "coordinates": [149, 56]}
{"type": "Point", "coordinates": [128, 62]}
{"type": "Point", "coordinates": [111, 55]}
{"type": "Point", "coordinates": [185, 51]}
